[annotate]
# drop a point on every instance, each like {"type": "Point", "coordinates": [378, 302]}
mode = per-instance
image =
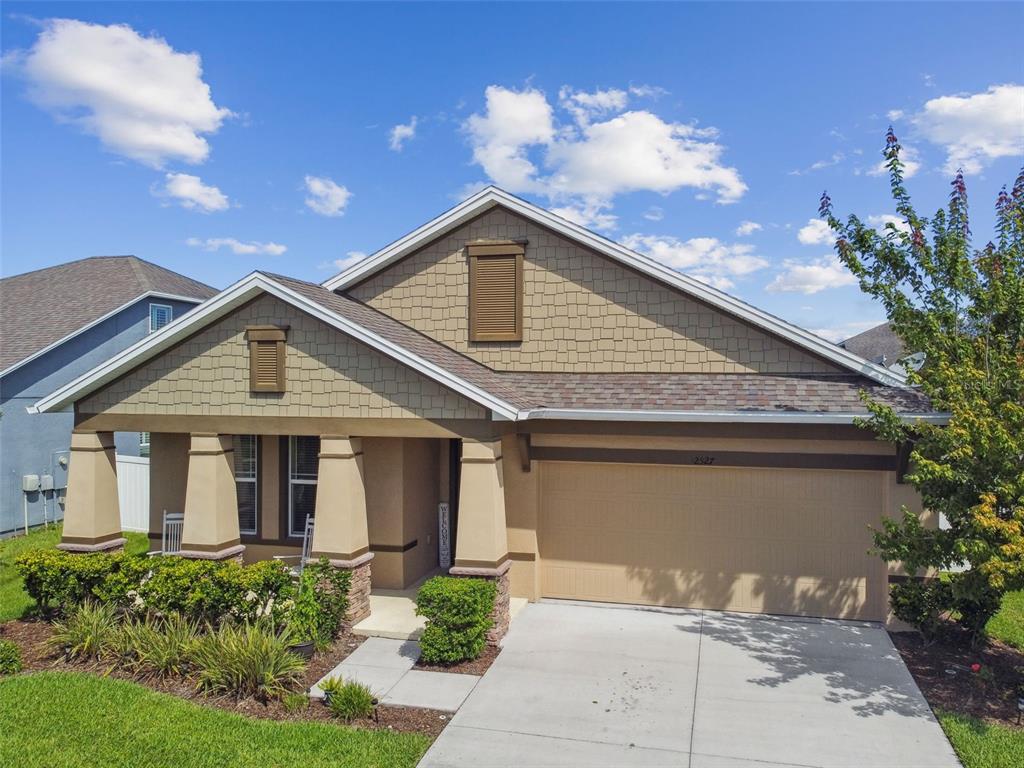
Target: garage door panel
{"type": "Point", "coordinates": [783, 541]}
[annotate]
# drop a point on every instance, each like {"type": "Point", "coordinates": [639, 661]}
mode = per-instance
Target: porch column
{"type": "Point", "coordinates": [481, 541]}
{"type": "Point", "coordinates": [210, 531]}
{"type": "Point", "coordinates": [340, 532]}
{"type": "Point", "coordinates": [92, 516]}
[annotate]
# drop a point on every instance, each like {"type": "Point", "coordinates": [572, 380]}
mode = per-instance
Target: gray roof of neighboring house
{"type": "Point", "coordinates": [764, 393]}
{"type": "Point", "coordinates": [879, 345]}
{"type": "Point", "coordinates": [40, 308]}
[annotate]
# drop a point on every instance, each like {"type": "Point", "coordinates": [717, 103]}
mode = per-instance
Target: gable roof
{"type": "Point", "coordinates": [491, 197]}
{"type": "Point", "coordinates": [523, 396]}
{"type": "Point", "coordinates": [42, 309]}
{"type": "Point", "coordinates": [879, 345]}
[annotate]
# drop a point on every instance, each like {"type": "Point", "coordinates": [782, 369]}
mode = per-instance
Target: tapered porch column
{"type": "Point", "coordinates": [341, 532]}
{"type": "Point", "coordinates": [92, 516]}
{"type": "Point", "coordinates": [210, 531]}
{"type": "Point", "coordinates": [481, 541]}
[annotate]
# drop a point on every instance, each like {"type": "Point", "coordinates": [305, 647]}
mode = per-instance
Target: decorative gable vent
{"type": "Point", "coordinates": [266, 357]}
{"type": "Point", "coordinates": [496, 291]}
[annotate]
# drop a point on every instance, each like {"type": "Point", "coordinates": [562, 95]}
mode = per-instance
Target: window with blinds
{"type": "Point", "coordinates": [266, 357]}
{"type": "Point", "coordinates": [303, 465]}
{"type": "Point", "coordinates": [247, 482]}
{"type": "Point", "coordinates": [496, 292]}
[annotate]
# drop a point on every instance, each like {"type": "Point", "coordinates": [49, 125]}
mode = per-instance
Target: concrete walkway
{"type": "Point", "coordinates": [582, 684]}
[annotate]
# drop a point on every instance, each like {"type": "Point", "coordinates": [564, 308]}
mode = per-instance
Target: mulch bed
{"type": "Point", "coordinates": [31, 637]}
{"type": "Point", "coordinates": [966, 692]}
{"type": "Point", "coordinates": [474, 667]}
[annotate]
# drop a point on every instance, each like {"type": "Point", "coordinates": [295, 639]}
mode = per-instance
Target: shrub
{"type": "Point", "coordinates": [294, 702]}
{"type": "Point", "coordinates": [458, 615]}
{"type": "Point", "coordinates": [922, 604]}
{"type": "Point", "coordinates": [351, 700]}
{"type": "Point", "coordinates": [59, 580]}
{"type": "Point", "coordinates": [318, 610]}
{"type": "Point", "coordinates": [249, 659]}
{"type": "Point", "coordinates": [161, 646]}
{"type": "Point", "coordinates": [10, 658]}
{"type": "Point", "coordinates": [89, 631]}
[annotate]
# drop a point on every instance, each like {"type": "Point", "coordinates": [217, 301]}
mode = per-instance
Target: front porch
{"type": "Point", "coordinates": [393, 510]}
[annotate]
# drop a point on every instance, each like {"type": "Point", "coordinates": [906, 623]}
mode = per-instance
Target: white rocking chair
{"type": "Point", "coordinates": [307, 548]}
{"type": "Point", "coordinates": [170, 538]}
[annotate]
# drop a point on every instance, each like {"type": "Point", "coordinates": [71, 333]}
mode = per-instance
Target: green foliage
{"type": "Point", "coordinates": [350, 701]}
{"type": "Point", "coordinates": [1008, 624]}
{"type": "Point", "coordinates": [295, 702]}
{"type": "Point", "coordinates": [458, 616]}
{"type": "Point", "coordinates": [55, 719]}
{"type": "Point", "coordinates": [922, 604]}
{"type": "Point", "coordinates": [981, 745]}
{"type": "Point", "coordinates": [318, 610]}
{"type": "Point", "coordinates": [161, 646]}
{"type": "Point", "coordinates": [249, 659]}
{"type": "Point", "coordinates": [90, 631]}
{"type": "Point", "coordinates": [10, 658]}
{"type": "Point", "coordinates": [963, 310]}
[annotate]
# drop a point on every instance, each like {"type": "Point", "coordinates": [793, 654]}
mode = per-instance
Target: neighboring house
{"type": "Point", "coordinates": [881, 345]}
{"type": "Point", "coordinates": [55, 324]}
{"type": "Point", "coordinates": [599, 427]}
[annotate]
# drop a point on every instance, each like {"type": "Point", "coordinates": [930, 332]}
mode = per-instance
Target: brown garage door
{"type": "Point", "coordinates": [789, 541]}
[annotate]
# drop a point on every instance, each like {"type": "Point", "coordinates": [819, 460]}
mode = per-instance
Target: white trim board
{"type": "Point", "coordinates": [97, 321]}
{"type": "Point", "coordinates": [491, 197]}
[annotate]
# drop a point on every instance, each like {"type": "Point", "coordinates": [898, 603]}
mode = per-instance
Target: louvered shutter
{"type": "Point", "coordinates": [266, 358]}
{"type": "Point", "coordinates": [496, 295]}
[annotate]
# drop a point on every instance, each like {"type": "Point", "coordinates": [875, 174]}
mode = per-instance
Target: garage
{"type": "Point", "coordinates": [761, 540]}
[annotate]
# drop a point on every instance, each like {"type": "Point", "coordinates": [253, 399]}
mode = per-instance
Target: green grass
{"type": "Point", "coordinates": [979, 745]}
{"type": "Point", "coordinates": [1008, 624]}
{"type": "Point", "coordinates": [13, 600]}
{"type": "Point", "coordinates": [64, 719]}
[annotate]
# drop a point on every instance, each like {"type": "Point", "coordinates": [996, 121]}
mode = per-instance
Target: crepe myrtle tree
{"type": "Point", "coordinates": [963, 308]}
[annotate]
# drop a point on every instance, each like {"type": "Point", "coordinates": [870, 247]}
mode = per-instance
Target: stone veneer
{"type": "Point", "coordinates": [327, 373]}
{"type": "Point", "coordinates": [582, 312]}
{"type": "Point", "coordinates": [358, 594]}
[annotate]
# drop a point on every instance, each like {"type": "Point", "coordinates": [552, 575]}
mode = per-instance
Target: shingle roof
{"type": "Point", "coordinates": [765, 393]}
{"type": "Point", "coordinates": [42, 307]}
{"type": "Point", "coordinates": [879, 345]}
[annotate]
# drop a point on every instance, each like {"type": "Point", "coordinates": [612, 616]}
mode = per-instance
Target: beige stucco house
{"type": "Point", "coordinates": [599, 426]}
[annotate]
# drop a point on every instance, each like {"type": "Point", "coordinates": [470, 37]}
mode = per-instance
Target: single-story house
{"type": "Point", "coordinates": [579, 420]}
{"type": "Point", "coordinates": [56, 324]}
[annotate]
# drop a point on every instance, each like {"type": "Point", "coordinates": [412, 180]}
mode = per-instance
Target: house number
{"type": "Point", "coordinates": [703, 459]}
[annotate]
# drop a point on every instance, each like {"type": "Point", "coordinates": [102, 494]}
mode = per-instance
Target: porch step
{"type": "Point", "coordinates": [391, 616]}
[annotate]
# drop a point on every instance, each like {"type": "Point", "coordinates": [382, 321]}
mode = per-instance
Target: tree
{"type": "Point", "coordinates": [964, 309]}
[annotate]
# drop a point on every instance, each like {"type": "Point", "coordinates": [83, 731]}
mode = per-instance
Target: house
{"type": "Point", "coordinates": [881, 345]}
{"type": "Point", "coordinates": [581, 421]}
{"type": "Point", "coordinates": [56, 324]}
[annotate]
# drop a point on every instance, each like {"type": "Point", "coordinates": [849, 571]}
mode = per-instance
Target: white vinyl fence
{"type": "Point", "coordinates": [133, 492]}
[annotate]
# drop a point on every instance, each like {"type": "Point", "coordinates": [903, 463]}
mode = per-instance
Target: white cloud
{"type": "Point", "coordinates": [587, 213]}
{"type": "Point", "coordinates": [977, 128]}
{"type": "Point", "coordinates": [705, 258]}
{"type": "Point", "coordinates": [350, 258]}
{"type": "Point", "coordinates": [842, 332]}
{"type": "Point", "coordinates": [403, 133]}
{"type": "Point", "coordinates": [880, 221]}
{"type": "Point", "coordinates": [815, 232]}
{"type": "Point", "coordinates": [326, 197]}
{"type": "Point", "coordinates": [600, 153]}
{"type": "Point", "coordinates": [910, 158]}
{"type": "Point", "coordinates": [190, 192]}
{"type": "Point", "coordinates": [237, 247]}
{"type": "Point", "coordinates": [644, 91]}
{"type": "Point", "coordinates": [895, 114]}
{"type": "Point", "coordinates": [809, 277]}
{"type": "Point", "coordinates": [835, 159]}
{"type": "Point", "coordinates": [141, 98]}
{"type": "Point", "coordinates": [747, 228]}
{"type": "Point", "coordinates": [654, 213]}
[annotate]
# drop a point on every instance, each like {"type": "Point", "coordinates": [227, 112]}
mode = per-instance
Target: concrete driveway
{"type": "Point", "coordinates": [595, 685]}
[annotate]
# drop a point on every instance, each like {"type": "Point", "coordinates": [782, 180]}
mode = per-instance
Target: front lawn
{"type": "Point", "coordinates": [13, 600]}
{"type": "Point", "coordinates": [1008, 624]}
{"type": "Point", "coordinates": [981, 745]}
{"type": "Point", "coordinates": [55, 719]}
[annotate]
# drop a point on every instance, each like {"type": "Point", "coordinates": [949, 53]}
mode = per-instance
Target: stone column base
{"type": "Point", "coordinates": [359, 587]}
{"type": "Point", "coordinates": [233, 552]}
{"type": "Point", "coordinates": [110, 546]}
{"type": "Point", "coordinates": [500, 616]}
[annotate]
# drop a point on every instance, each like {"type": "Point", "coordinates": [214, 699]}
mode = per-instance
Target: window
{"type": "Point", "coordinates": [159, 316]}
{"type": "Point", "coordinates": [303, 460]}
{"type": "Point", "coordinates": [246, 481]}
{"type": "Point", "coordinates": [266, 357]}
{"type": "Point", "coordinates": [496, 291]}
{"type": "Point", "coordinates": [143, 444]}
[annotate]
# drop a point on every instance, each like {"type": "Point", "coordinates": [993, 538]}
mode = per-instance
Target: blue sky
{"type": "Point", "coordinates": [701, 134]}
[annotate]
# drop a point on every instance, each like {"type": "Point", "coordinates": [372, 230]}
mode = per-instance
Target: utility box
{"type": "Point", "coordinates": [30, 483]}
{"type": "Point", "coordinates": [46, 483]}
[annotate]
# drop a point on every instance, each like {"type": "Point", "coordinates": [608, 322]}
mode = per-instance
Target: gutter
{"type": "Point", "coordinates": [746, 417]}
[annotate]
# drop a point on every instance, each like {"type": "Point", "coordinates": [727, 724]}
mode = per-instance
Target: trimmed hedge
{"type": "Point", "coordinates": [202, 590]}
{"type": "Point", "coordinates": [458, 613]}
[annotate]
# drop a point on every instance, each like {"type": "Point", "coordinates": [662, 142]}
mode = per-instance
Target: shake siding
{"type": "Point", "coordinates": [581, 312]}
